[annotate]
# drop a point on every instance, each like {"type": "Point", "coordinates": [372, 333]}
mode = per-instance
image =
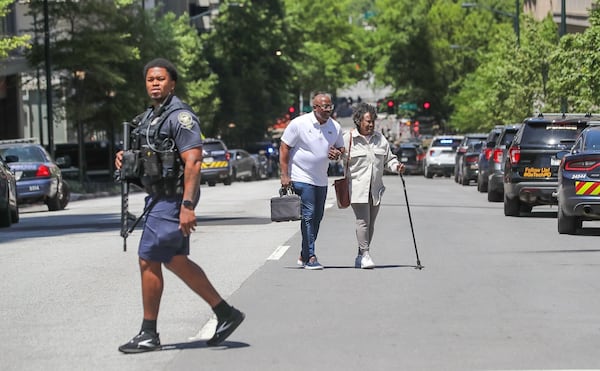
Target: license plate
{"type": "Point", "coordinates": [554, 161]}
{"type": "Point", "coordinates": [404, 159]}
{"type": "Point", "coordinates": [34, 188]}
{"type": "Point", "coordinates": [208, 160]}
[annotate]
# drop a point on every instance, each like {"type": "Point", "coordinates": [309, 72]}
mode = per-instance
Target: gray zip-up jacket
{"type": "Point", "coordinates": [367, 161]}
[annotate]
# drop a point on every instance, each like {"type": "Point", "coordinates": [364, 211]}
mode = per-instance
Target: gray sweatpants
{"type": "Point", "coordinates": [365, 224]}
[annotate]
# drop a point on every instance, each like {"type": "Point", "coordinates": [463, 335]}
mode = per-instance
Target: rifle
{"type": "Point", "coordinates": [126, 216]}
{"type": "Point", "coordinates": [124, 190]}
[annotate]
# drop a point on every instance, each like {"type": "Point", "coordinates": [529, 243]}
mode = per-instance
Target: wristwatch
{"type": "Point", "coordinates": [188, 204]}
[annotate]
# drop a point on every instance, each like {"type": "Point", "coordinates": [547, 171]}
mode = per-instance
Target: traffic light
{"type": "Point", "coordinates": [291, 111]}
{"type": "Point", "coordinates": [391, 107]}
{"type": "Point", "coordinates": [426, 105]}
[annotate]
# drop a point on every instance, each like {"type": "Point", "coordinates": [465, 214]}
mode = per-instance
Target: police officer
{"type": "Point", "coordinates": [166, 153]}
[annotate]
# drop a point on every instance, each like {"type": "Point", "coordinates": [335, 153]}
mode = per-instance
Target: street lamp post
{"type": "Point", "coordinates": [514, 16]}
{"type": "Point", "coordinates": [212, 13]}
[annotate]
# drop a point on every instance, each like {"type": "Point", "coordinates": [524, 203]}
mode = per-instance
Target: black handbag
{"type": "Point", "coordinates": [287, 206]}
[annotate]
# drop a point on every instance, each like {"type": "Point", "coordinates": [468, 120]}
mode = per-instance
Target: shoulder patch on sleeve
{"type": "Point", "coordinates": [185, 119]}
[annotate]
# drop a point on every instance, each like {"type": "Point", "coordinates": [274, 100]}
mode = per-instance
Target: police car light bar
{"type": "Point", "coordinates": [20, 140]}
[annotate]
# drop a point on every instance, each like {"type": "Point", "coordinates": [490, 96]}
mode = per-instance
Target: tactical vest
{"type": "Point", "coordinates": [154, 156]}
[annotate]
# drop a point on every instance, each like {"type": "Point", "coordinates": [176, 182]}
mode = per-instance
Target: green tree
{"type": "Point", "coordinates": [331, 50]}
{"type": "Point", "coordinates": [250, 49]}
{"type": "Point", "coordinates": [510, 83]}
{"type": "Point", "coordinates": [100, 47]}
{"type": "Point", "coordinates": [7, 44]}
{"type": "Point", "coordinates": [574, 72]}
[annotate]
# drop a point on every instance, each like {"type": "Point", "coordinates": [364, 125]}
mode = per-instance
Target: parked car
{"type": "Point", "coordinates": [469, 166]}
{"type": "Point", "coordinates": [484, 157]}
{"type": "Point", "coordinates": [243, 166]}
{"type": "Point", "coordinates": [531, 165]}
{"type": "Point", "coordinates": [9, 208]}
{"type": "Point", "coordinates": [495, 186]}
{"type": "Point", "coordinates": [38, 177]}
{"type": "Point", "coordinates": [578, 192]}
{"type": "Point", "coordinates": [412, 156]}
{"type": "Point", "coordinates": [270, 149]}
{"type": "Point", "coordinates": [216, 166]}
{"type": "Point", "coordinates": [262, 165]}
{"type": "Point", "coordinates": [440, 157]}
{"type": "Point", "coordinates": [462, 149]}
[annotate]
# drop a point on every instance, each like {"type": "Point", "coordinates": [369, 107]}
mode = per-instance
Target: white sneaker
{"type": "Point", "coordinates": [366, 262]}
{"type": "Point", "coordinates": [300, 263]}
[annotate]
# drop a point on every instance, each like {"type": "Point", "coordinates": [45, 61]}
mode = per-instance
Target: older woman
{"type": "Point", "coordinates": [369, 153]}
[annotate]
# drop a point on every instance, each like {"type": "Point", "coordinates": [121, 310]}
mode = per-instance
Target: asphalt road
{"type": "Point", "coordinates": [496, 293]}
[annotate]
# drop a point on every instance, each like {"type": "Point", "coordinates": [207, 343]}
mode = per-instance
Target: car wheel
{"type": "Point", "coordinates": [525, 208]}
{"type": "Point", "coordinates": [227, 180]}
{"type": "Point", "coordinates": [233, 175]}
{"type": "Point", "coordinates": [53, 203]}
{"type": "Point", "coordinates": [511, 206]}
{"type": "Point", "coordinates": [14, 214]}
{"type": "Point", "coordinates": [494, 196]}
{"type": "Point", "coordinates": [5, 220]}
{"type": "Point", "coordinates": [211, 183]}
{"type": "Point", "coordinates": [464, 180]}
{"type": "Point", "coordinates": [566, 224]}
{"type": "Point", "coordinates": [65, 195]}
{"type": "Point", "coordinates": [428, 174]}
{"type": "Point", "coordinates": [481, 188]}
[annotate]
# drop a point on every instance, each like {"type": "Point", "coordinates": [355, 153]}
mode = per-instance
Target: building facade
{"type": "Point", "coordinates": [576, 12]}
{"type": "Point", "coordinates": [23, 109]}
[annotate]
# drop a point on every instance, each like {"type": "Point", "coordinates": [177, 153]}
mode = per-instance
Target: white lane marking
{"type": "Point", "coordinates": [278, 253]}
{"type": "Point", "coordinates": [207, 331]}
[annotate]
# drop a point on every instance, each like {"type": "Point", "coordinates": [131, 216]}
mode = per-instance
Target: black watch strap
{"type": "Point", "coordinates": [188, 204]}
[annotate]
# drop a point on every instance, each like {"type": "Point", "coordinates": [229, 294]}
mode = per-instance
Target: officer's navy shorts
{"type": "Point", "coordinates": [161, 238]}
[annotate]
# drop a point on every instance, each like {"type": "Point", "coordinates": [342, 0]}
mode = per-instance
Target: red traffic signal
{"type": "Point", "coordinates": [426, 105]}
{"type": "Point", "coordinates": [292, 109]}
{"type": "Point", "coordinates": [390, 103]}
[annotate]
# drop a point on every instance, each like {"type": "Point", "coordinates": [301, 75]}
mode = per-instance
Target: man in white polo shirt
{"type": "Point", "coordinates": [307, 145]}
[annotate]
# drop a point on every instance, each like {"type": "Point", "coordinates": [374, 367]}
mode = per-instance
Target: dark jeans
{"type": "Point", "coordinates": [313, 206]}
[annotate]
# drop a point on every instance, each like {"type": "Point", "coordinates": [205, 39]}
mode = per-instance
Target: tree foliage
{"type": "Point", "coordinates": [8, 44]}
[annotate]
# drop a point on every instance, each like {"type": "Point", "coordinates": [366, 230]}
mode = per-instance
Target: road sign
{"type": "Point", "coordinates": [409, 106]}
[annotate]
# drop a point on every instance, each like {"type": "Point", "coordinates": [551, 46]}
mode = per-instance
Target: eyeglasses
{"type": "Point", "coordinates": [325, 107]}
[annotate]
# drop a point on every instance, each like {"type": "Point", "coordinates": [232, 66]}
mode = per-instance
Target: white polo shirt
{"type": "Point", "coordinates": [310, 142]}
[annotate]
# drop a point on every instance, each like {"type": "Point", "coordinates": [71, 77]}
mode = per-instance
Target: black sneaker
{"type": "Point", "coordinates": [226, 327]}
{"type": "Point", "coordinates": [142, 342]}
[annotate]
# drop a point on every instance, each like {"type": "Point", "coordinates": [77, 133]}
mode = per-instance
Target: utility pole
{"type": "Point", "coordinates": [50, 118]}
{"type": "Point", "coordinates": [563, 32]}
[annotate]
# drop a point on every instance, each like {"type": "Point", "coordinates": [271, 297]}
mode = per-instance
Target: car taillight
{"type": "Point", "coordinates": [581, 165]}
{"type": "Point", "coordinates": [431, 152]}
{"type": "Point", "coordinates": [227, 156]}
{"type": "Point", "coordinates": [420, 156]}
{"type": "Point", "coordinates": [497, 155]}
{"type": "Point", "coordinates": [42, 171]}
{"type": "Point", "coordinates": [487, 153]}
{"type": "Point", "coordinates": [471, 159]}
{"type": "Point", "coordinates": [514, 154]}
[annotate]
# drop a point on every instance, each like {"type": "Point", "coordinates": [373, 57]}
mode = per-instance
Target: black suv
{"type": "Point", "coordinates": [531, 164]}
{"type": "Point", "coordinates": [462, 149]}
{"type": "Point", "coordinates": [216, 165]}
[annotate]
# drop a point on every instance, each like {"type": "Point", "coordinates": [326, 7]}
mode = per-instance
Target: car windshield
{"type": "Point", "coordinates": [508, 138]}
{"type": "Point", "coordinates": [25, 154]}
{"type": "Point", "coordinates": [212, 146]}
{"type": "Point", "coordinates": [550, 134]}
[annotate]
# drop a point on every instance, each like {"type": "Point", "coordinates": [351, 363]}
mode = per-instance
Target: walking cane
{"type": "Point", "coordinates": [419, 266]}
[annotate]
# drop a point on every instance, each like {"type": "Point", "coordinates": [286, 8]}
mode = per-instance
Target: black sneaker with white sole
{"type": "Point", "coordinates": [142, 342]}
{"type": "Point", "coordinates": [226, 327]}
